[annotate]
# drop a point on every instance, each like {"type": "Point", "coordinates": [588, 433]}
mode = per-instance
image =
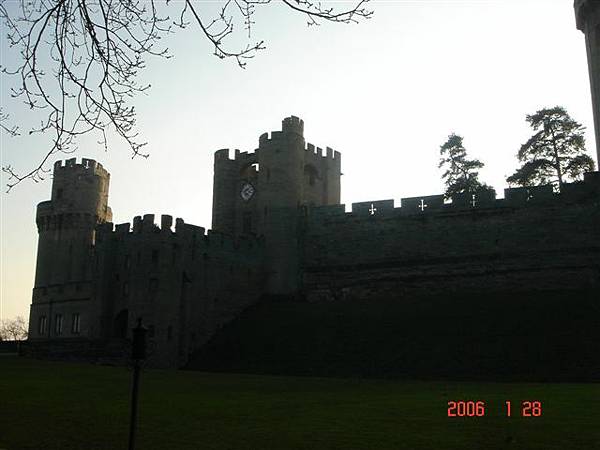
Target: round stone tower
{"type": "Point", "coordinates": [61, 305]}
{"type": "Point", "coordinates": [66, 223]}
{"type": "Point", "coordinates": [587, 14]}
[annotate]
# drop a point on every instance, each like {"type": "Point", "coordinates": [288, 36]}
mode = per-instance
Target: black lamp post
{"type": "Point", "coordinates": [138, 354]}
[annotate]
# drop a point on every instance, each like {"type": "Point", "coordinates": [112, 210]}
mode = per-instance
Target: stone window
{"type": "Point", "coordinates": [58, 324]}
{"type": "Point", "coordinates": [75, 324]}
{"type": "Point", "coordinates": [42, 326]}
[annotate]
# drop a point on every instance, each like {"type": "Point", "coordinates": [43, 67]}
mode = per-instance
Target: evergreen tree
{"type": "Point", "coordinates": [462, 174]}
{"type": "Point", "coordinates": [555, 153]}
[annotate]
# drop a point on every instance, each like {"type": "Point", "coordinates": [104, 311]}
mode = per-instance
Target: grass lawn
{"type": "Point", "coordinates": [53, 405]}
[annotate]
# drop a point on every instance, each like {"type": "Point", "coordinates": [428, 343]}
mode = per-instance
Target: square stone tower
{"type": "Point", "coordinates": [262, 193]}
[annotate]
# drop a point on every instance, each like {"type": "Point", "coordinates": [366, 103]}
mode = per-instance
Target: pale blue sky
{"type": "Point", "coordinates": [385, 93]}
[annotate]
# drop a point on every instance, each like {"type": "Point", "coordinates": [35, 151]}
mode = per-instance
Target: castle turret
{"type": "Point", "coordinates": [261, 192]}
{"type": "Point", "coordinates": [281, 159]}
{"type": "Point", "coordinates": [587, 14]}
{"type": "Point", "coordinates": [67, 226]}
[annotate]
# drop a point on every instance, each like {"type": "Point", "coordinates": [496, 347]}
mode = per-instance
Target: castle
{"type": "Point", "coordinates": [279, 230]}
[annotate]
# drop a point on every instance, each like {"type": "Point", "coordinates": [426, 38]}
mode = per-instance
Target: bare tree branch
{"type": "Point", "coordinates": [10, 130]}
{"type": "Point", "coordinates": [80, 59]}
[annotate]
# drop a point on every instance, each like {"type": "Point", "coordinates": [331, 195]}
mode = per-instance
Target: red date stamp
{"type": "Point", "coordinates": [477, 408]}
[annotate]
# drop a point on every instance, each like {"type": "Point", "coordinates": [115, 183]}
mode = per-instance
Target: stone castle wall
{"type": "Point", "coordinates": [184, 283]}
{"type": "Point", "coordinates": [530, 240]}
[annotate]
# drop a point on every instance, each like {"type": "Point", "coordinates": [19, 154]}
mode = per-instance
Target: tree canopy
{"type": "Point", "coordinates": [462, 174]}
{"type": "Point", "coordinates": [555, 154]}
{"type": "Point", "coordinates": [13, 329]}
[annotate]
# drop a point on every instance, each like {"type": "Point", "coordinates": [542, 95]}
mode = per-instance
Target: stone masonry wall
{"type": "Point", "coordinates": [185, 284]}
{"type": "Point", "coordinates": [532, 239]}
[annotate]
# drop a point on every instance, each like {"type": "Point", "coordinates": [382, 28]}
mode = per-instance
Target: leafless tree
{"type": "Point", "coordinates": [13, 329]}
{"type": "Point", "coordinates": [13, 130]}
{"type": "Point", "coordinates": [80, 59]}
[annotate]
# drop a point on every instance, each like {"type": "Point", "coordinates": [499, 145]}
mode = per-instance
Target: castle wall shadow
{"type": "Point", "coordinates": [525, 336]}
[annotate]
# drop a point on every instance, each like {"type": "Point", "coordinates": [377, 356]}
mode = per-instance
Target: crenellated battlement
{"type": "Point", "coordinates": [222, 154]}
{"type": "Point", "coordinates": [183, 233]}
{"type": "Point", "coordinates": [267, 138]}
{"type": "Point", "coordinates": [238, 157]}
{"type": "Point", "coordinates": [86, 165]}
{"type": "Point", "coordinates": [292, 124]}
{"type": "Point", "coordinates": [316, 155]}
{"type": "Point", "coordinates": [521, 197]}
{"type": "Point", "coordinates": [245, 157]}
